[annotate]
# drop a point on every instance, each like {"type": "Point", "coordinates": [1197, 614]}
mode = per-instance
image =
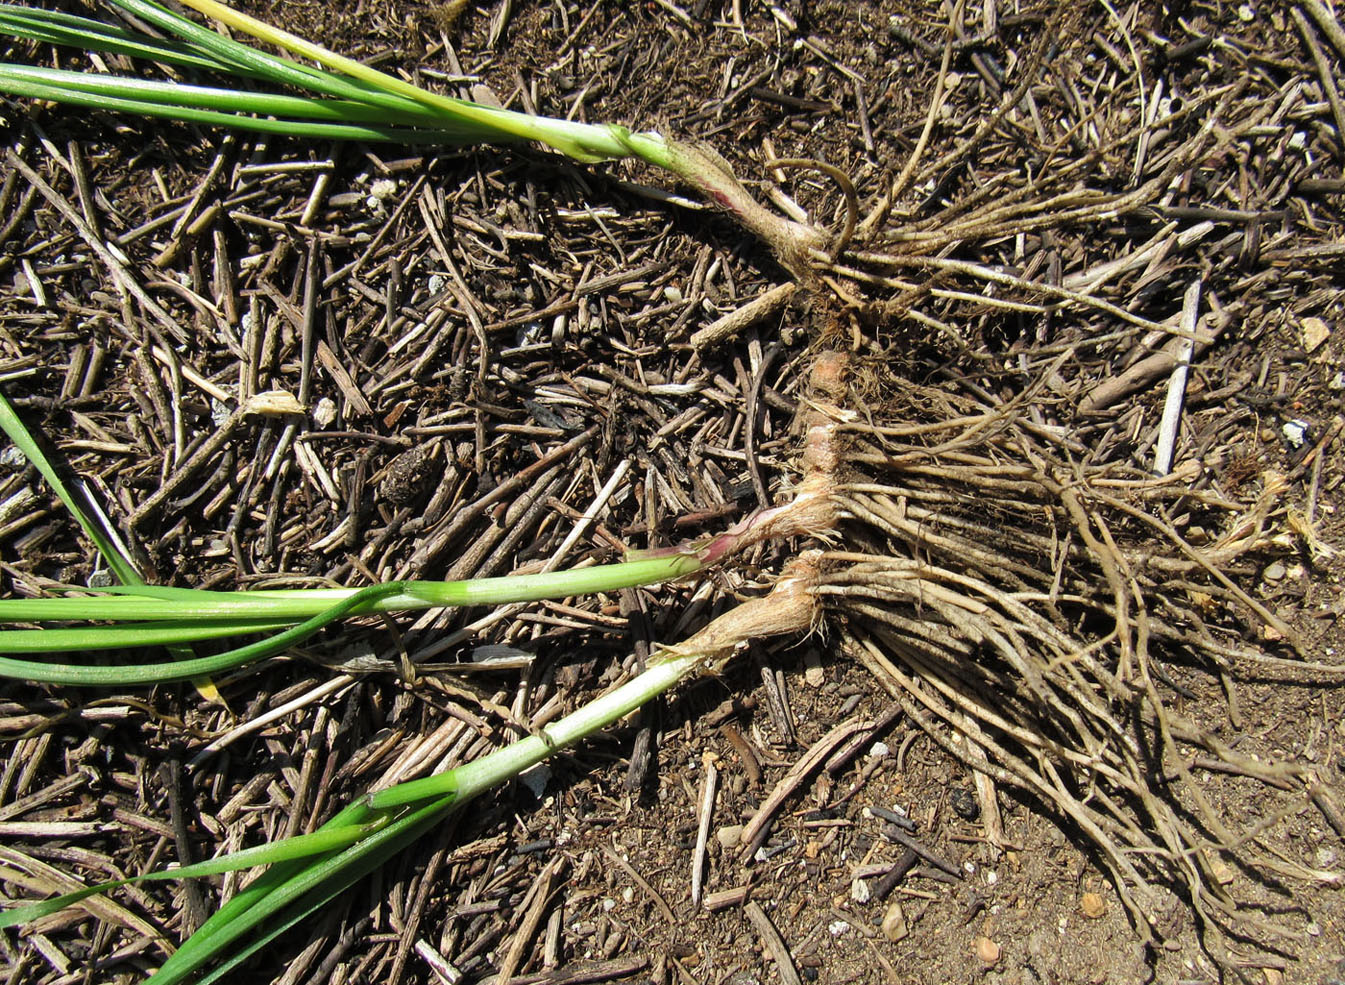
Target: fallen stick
{"type": "Point", "coordinates": [740, 319]}
{"type": "Point", "coordinates": [1144, 372]}
{"type": "Point", "coordinates": [1172, 407]}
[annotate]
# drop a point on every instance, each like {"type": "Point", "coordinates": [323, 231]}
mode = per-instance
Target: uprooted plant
{"type": "Point", "coordinates": [346, 100]}
{"type": "Point", "coordinates": [307, 871]}
{"type": "Point", "coordinates": [1029, 612]}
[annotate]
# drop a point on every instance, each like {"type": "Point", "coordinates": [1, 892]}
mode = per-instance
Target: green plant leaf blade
{"type": "Point", "coordinates": [85, 639]}
{"type": "Point", "coordinates": [57, 27]}
{"type": "Point", "coordinates": [182, 670]}
{"type": "Point", "coordinates": [323, 841]}
{"type": "Point", "coordinates": [18, 433]}
{"type": "Point", "coordinates": [310, 129]}
{"type": "Point", "coordinates": [310, 888]}
{"type": "Point", "coordinates": [156, 602]}
{"type": "Point", "coordinates": [212, 98]}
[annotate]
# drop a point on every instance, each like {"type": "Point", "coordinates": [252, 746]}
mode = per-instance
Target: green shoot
{"type": "Point", "coordinates": [347, 101]}
{"type": "Point", "coordinates": [190, 615]}
{"type": "Point", "coordinates": [310, 870]}
{"type": "Point", "coordinates": [103, 539]}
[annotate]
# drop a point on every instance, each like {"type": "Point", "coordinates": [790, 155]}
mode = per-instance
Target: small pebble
{"type": "Point", "coordinates": [1326, 857]}
{"type": "Point", "coordinates": [987, 950]}
{"type": "Point", "coordinates": [1315, 332]}
{"type": "Point", "coordinates": [813, 672]}
{"type": "Point", "coordinates": [1274, 571]}
{"type": "Point", "coordinates": [1093, 905]}
{"type": "Point", "coordinates": [963, 802]}
{"type": "Point", "coordinates": [837, 927]}
{"type": "Point", "coordinates": [1295, 432]}
{"type": "Point", "coordinates": [894, 924]}
{"type": "Point", "coordinates": [730, 836]}
{"type": "Point", "coordinates": [325, 412]}
{"type": "Point", "coordinates": [860, 892]}
{"type": "Point", "coordinates": [879, 750]}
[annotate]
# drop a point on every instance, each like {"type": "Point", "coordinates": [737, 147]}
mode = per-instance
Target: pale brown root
{"type": "Point", "coordinates": [791, 607]}
{"type": "Point", "coordinates": [976, 558]}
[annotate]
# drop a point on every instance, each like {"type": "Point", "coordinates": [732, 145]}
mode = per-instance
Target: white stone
{"type": "Point", "coordinates": [325, 412]}
{"type": "Point", "coordinates": [1295, 432]}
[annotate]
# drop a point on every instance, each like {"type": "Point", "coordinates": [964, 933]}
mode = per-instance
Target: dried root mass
{"type": "Point", "coordinates": [1043, 623]}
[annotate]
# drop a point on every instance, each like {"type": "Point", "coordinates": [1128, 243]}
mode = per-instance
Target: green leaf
{"type": "Point", "coordinates": [287, 901]}
{"type": "Point", "coordinates": [84, 639]}
{"type": "Point", "coordinates": [182, 670]}
{"type": "Point", "coordinates": [103, 540]}
{"type": "Point", "coordinates": [319, 842]}
{"type": "Point", "coordinates": [15, 85]}
{"type": "Point", "coordinates": [55, 27]}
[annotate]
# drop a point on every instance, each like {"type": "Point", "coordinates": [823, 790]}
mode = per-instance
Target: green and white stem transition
{"type": "Point", "coordinates": [353, 102]}
{"type": "Point", "coordinates": [308, 870]}
{"type": "Point", "coordinates": [158, 616]}
{"type": "Point", "coordinates": [791, 607]}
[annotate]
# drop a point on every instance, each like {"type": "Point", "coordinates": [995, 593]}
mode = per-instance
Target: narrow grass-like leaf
{"type": "Point", "coordinates": [421, 805]}
{"type": "Point", "coordinates": [212, 98]}
{"type": "Point", "coordinates": [582, 141]}
{"type": "Point", "coordinates": [323, 841]}
{"type": "Point", "coordinates": [194, 615]}
{"type": "Point", "coordinates": [79, 639]}
{"type": "Point", "coordinates": [151, 602]}
{"type": "Point", "coordinates": [183, 670]}
{"type": "Point", "coordinates": [311, 129]}
{"type": "Point", "coordinates": [56, 27]}
{"type": "Point", "coordinates": [92, 520]}
{"type": "Point", "coordinates": [23, 440]}
{"type": "Point", "coordinates": [311, 887]}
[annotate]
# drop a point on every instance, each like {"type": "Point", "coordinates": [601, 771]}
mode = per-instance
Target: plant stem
{"type": "Point", "coordinates": [325, 608]}
{"type": "Point", "coordinates": [154, 602]}
{"type": "Point", "coordinates": [789, 608]}
{"type": "Point", "coordinates": [491, 770]}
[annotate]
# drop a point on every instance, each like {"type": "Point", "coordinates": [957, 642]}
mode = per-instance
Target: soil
{"type": "Point", "coordinates": [451, 319]}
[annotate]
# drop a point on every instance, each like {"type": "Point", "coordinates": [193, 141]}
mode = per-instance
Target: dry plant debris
{"type": "Point", "coordinates": [1113, 685]}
